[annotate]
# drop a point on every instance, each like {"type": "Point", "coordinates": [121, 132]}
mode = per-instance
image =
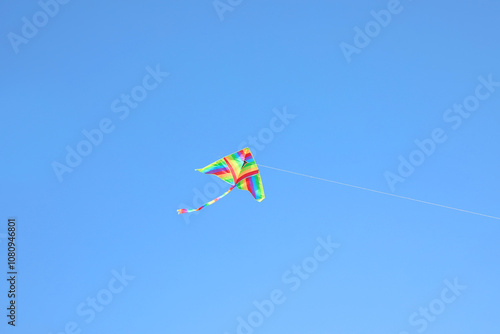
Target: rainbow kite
{"type": "Point", "coordinates": [239, 170]}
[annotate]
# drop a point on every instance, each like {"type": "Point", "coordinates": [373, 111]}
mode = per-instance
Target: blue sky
{"type": "Point", "coordinates": [108, 109]}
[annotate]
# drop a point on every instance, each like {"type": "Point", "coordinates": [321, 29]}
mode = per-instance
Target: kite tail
{"type": "Point", "coordinates": [179, 211]}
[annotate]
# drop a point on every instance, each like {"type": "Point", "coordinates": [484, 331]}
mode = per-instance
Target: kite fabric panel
{"type": "Point", "coordinates": [239, 170]}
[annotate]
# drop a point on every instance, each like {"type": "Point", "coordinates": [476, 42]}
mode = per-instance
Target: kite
{"type": "Point", "coordinates": [239, 170]}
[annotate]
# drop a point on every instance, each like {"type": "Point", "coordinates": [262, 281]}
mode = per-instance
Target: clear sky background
{"type": "Point", "coordinates": [352, 116]}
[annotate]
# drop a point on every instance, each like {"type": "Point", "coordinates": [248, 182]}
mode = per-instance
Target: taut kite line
{"type": "Point", "coordinates": [240, 170]}
{"type": "Point", "coordinates": [384, 193]}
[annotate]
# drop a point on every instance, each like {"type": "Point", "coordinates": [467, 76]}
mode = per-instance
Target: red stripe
{"type": "Point", "coordinates": [221, 172]}
{"type": "Point", "coordinates": [244, 176]}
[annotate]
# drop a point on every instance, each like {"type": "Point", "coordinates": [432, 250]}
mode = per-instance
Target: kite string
{"type": "Point", "coordinates": [381, 192]}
